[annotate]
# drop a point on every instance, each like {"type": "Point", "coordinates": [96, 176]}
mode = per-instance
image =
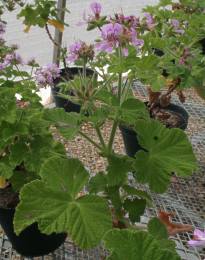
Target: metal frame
{"type": "Point", "coordinates": [59, 35]}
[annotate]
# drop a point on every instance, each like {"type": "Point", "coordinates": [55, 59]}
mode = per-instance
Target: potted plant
{"type": "Point", "coordinates": [43, 13]}
{"type": "Point", "coordinates": [65, 95]}
{"type": "Point", "coordinates": [172, 61]}
{"type": "Point", "coordinates": [26, 142]}
{"type": "Point", "coordinates": [107, 207]}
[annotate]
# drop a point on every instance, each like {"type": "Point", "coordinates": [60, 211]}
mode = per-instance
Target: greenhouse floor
{"type": "Point", "coordinates": [185, 197]}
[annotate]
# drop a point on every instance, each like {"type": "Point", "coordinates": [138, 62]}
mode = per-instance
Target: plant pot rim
{"type": "Point", "coordinates": [185, 116]}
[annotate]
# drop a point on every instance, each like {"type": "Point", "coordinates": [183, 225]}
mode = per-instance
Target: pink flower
{"type": "Point", "coordinates": [130, 21]}
{"type": "Point", "coordinates": [96, 8]}
{"type": "Point", "coordinates": [198, 239]}
{"type": "Point", "coordinates": [46, 74]}
{"type": "Point", "coordinates": [149, 21]}
{"type": "Point", "coordinates": [135, 41]}
{"type": "Point", "coordinates": [176, 25]}
{"type": "Point", "coordinates": [11, 58]}
{"type": "Point", "coordinates": [74, 51]}
{"type": "Point", "coordinates": [116, 35]}
{"type": "Point", "coordinates": [80, 50]}
{"type": "Point", "coordinates": [2, 66]}
{"type": "Point", "coordinates": [111, 34]}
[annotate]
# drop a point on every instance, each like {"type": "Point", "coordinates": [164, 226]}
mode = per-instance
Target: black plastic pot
{"type": "Point", "coordinates": [203, 45]}
{"type": "Point", "coordinates": [130, 137]}
{"type": "Point", "coordinates": [31, 242]}
{"type": "Point", "coordinates": [61, 102]}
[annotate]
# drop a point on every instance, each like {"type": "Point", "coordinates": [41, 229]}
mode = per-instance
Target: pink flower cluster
{"type": "Point", "coordinates": [130, 21]}
{"type": "Point", "coordinates": [96, 9]}
{"type": "Point", "coordinates": [176, 26]}
{"type": "Point", "coordinates": [80, 50]}
{"type": "Point", "coordinates": [149, 21]}
{"type": "Point", "coordinates": [9, 59]}
{"type": "Point", "coordinates": [47, 74]}
{"type": "Point", "coordinates": [74, 51]}
{"type": "Point", "coordinates": [116, 35]}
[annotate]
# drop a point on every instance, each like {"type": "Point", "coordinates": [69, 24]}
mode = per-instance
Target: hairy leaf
{"type": "Point", "coordinates": [157, 229]}
{"type": "Point", "coordinates": [56, 204]}
{"type": "Point", "coordinates": [135, 208]}
{"type": "Point", "coordinates": [118, 168]}
{"type": "Point", "coordinates": [136, 245]}
{"type": "Point", "coordinates": [132, 110]}
{"type": "Point", "coordinates": [168, 150]}
{"type": "Point", "coordinates": [97, 183]}
{"type": "Point", "coordinates": [67, 123]}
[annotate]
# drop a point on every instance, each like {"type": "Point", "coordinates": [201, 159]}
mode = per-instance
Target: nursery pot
{"type": "Point", "coordinates": [129, 136]}
{"type": "Point", "coordinates": [203, 45]}
{"type": "Point", "coordinates": [61, 102]}
{"type": "Point", "coordinates": [31, 242]}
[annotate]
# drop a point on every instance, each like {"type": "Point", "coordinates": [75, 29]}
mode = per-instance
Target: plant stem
{"type": "Point", "coordinates": [22, 77]}
{"type": "Point", "coordinates": [50, 36]}
{"type": "Point", "coordinates": [100, 136]}
{"type": "Point", "coordinates": [119, 87]}
{"type": "Point", "coordinates": [112, 135]}
{"type": "Point", "coordinates": [90, 140]}
{"type": "Point", "coordinates": [120, 78]}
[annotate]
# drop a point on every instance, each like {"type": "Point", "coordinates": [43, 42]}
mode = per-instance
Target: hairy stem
{"type": "Point", "coordinates": [112, 135]}
{"type": "Point", "coordinates": [100, 136]}
{"type": "Point", "coordinates": [90, 140]}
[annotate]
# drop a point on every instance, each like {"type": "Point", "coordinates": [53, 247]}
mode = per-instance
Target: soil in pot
{"type": "Point", "coordinates": [31, 242]}
{"type": "Point", "coordinates": [61, 102]}
{"type": "Point", "coordinates": [172, 117]}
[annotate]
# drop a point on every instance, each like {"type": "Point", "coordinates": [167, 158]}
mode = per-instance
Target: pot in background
{"type": "Point", "coordinates": [31, 242]}
{"type": "Point", "coordinates": [61, 102]}
{"type": "Point", "coordinates": [129, 136]}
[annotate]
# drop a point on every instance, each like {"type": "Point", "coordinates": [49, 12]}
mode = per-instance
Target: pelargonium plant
{"type": "Point", "coordinates": [108, 206]}
{"type": "Point", "coordinates": [26, 140]}
{"type": "Point", "coordinates": [176, 37]}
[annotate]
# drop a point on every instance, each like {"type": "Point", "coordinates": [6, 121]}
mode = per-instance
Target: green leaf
{"type": "Point", "coordinates": [139, 193]}
{"type": "Point", "coordinates": [135, 208]}
{"type": "Point", "coordinates": [5, 171]}
{"type": "Point", "coordinates": [18, 152]}
{"type": "Point", "coordinates": [41, 147]}
{"type": "Point", "coordinates": [20, 178]}
{"type": "Point", "coordinates": [136, 245]}
{"type": "Point", "coordinates": [157, 229]}
{"type": "Point", "coordinates": [97, 183]}
{"type": "Point", "coordinates": [67, 123]}
{"type": "Point", "coordinates": [55, 204]}
{"type": "Point", "coordinates": [72, 178]}
{"type": "Point", "coordinates": [133, 110]}
{"type": "Point", "coordinates": [117, 169]}
{"type": "Point", "coordinates": [158, 83]}
{"type": "Point", "coordinates": [168, 150]}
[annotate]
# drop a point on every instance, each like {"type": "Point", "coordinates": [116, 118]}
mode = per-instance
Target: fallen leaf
{"type": "Point", "coordinates": [173, 228]}
{"type": "Point", "coordinates": [27, 28]}
{"type": "Point", "coordinates": [56, 24]}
